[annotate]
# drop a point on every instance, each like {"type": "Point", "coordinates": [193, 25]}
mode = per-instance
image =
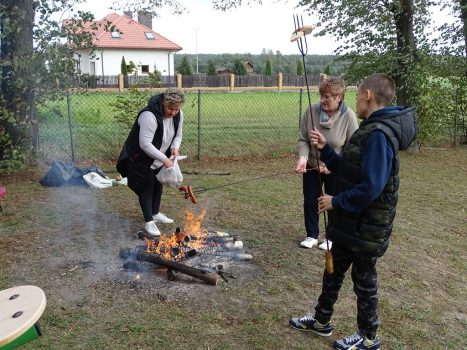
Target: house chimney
{"type": "Point", "coordinates": [145, 18]}
{"type": "Point", "coordinates": [128, 14]}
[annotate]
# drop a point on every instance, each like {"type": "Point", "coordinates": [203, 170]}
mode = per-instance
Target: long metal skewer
{"type": "Point", "coordinates": [303, 48]}
{"type": "Point", "coordinates": [198, 190]}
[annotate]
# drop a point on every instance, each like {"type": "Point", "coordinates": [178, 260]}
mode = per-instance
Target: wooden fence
{"type": "Point", "coordinates": [223, 81]}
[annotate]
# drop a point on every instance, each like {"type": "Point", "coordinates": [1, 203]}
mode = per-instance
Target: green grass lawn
{"type": "Point", "coordinates": [222, 124]}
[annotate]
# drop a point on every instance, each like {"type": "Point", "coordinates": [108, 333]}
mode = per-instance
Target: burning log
{"type": "Point", "coordinates": [143, 235]}
{"type": "Point", "coordinates": [205, 276]}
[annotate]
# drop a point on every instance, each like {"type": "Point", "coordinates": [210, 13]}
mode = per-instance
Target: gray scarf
{"type": "Point", "coordinates": [326, 121]}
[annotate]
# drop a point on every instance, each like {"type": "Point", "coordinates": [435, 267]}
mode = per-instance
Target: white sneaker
{"type": "Point", "coordinates": [324, 246]}
{"type": "Point", "coordinates": [151, 228]}
{"type": "Point", "coordinates": [309, 242]}
{"type": "Point", "coordinates": [159, 217]}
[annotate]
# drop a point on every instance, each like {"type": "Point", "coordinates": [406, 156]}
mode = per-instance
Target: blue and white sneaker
{"type": "Point", "coordinates": [357, 341]}
{"type": "Point", "coordinates": [308, 323]}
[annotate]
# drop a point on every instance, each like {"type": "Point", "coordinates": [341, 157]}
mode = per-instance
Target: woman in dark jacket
{"type": "Point", "coordinates": [155, 136]}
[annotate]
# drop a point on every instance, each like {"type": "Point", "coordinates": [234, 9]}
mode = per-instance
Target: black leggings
{"type": "Point", "coordinates": [150, 198]}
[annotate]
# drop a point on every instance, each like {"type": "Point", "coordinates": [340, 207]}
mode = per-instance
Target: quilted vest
{"type": "Point", "coordinates": [368, 231]}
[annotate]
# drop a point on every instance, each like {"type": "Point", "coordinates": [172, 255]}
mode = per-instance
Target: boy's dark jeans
{"type": "Point", "coordinates": [311, 192]}
{"type": "Point", "coordinates": [365, 281]}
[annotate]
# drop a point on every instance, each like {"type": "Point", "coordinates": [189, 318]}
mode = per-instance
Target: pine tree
{"type": "Point", "coordinates": [268, 68]}
{"type": "Point", "coordinates": [185, 67]}
{"type": "Point", "coordinates": [238, 67]}
{"type": "Point", "coordinates": [123, 67]}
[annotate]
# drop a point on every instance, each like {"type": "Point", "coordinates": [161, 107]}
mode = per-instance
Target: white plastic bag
{"type": "Point", "coordinates": [171, 176]}
{"type": "Point", "coordinates": [94, 180]}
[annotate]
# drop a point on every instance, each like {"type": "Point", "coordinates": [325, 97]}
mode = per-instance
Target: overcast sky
{"type": "Point", "coordinates": [247, 29]}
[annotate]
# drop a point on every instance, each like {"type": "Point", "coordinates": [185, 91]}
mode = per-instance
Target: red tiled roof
{"type": "Point", "coordinates": [132, 35]}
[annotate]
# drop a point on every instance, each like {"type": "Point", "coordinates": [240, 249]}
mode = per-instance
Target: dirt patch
{"type": "Point", "coordinates": [67, 241]}
{"type": "Point", "coordinates": [84, 244]}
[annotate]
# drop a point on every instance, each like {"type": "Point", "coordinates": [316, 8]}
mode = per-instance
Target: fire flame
{"type": "Point", "coordinates": [175, 245]}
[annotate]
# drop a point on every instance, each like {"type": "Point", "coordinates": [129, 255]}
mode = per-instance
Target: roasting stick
{"type": "Point", "coordinates": [190, 192]}
{"type": "Point", "coordinates": [299, 35]}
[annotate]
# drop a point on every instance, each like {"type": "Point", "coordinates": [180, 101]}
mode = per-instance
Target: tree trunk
{"type": "Point", "coordinates": [407, 52]}
{"type": "Point", "coordinates": [16, 54]}
{"type": "Point", "coordinates": [463, 6]}
{"type": "Point", "coordinates": [407, 60]}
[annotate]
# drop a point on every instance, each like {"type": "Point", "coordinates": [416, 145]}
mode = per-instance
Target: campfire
{"type": "Point", "coordinates": [191, 250]}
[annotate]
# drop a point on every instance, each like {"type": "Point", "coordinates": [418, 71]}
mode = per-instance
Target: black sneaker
{"type": "Point", "coordinates": [308, 323]}
{"type": "Point", "coordinates": [357, 341]}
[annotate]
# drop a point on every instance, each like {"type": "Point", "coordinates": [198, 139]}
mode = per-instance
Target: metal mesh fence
{"type": "Point", "coordinates": [217, 124]}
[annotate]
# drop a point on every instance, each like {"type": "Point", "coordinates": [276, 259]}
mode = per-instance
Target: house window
{"type": "Point", "coordinates": [145, 69]}
{"type": "Point", "coordinates": [115, 34]}
{"type": "Point", "coordinates": [149, 35]}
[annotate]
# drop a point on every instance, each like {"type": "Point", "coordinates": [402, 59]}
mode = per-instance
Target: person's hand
{"type": "Point", "coordinates": [174, 152]}
{"type": "Point", "coordinates": [300, 168]}
{"type": "Point", "coordinates": [317, 139]}
{"type": "Point", "coordinates": [168, 163]}
{"type": "Point", "coordinates": [324, 170]}
{"type": "Point", "coordinates": [324, 203]}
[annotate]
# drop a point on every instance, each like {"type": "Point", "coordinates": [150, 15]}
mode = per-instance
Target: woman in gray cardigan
{"type": "Point", "coordinates": [337, 122]}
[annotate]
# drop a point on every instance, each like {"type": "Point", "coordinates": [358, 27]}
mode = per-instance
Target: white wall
{"type": "Point", "coordinates": [112, 58]}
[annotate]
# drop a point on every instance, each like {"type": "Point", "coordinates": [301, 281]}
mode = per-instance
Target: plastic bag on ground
{"type": "Point", "coordinates": [94, 180]}
{"type": "Point", "coordinates": [172, 176]}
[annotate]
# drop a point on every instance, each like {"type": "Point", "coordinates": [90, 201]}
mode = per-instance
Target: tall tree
{"type": "Point", "coordinates": [17, 92]}
{"type": "Point", "coordinates": [123, 67]}
{"type": "Point", "coordinates": [377, 35]}
{"type": "Point", "coordinates": [185, 67]}
{"type": "Point", "coordinates": [34, 63]}
{"type": "Point", "coordinates": [268, 68]}
{"type": "Point", "coordinates": [238, 67]}
{"type": "Point", "coordinates": [211, 68]}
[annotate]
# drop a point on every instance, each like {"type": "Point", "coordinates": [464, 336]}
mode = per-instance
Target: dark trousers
{"type": "Point", "coordinates": [365, 282]}
{"type": "Point", "coordinates": [150, 197]}
{"type": "Point", "coordinates": [311, 192]}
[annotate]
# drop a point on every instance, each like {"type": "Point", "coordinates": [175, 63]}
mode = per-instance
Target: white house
{"type": "Point", "coordinates": [136, 42]}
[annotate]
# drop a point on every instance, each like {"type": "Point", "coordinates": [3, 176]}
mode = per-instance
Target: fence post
{"type": "Point", "coordinates": [232, 81]}
{"type": "Point", "coordinates": [179, 80]}
{"type": "Point", "coordinates": [279, 81]}
{"type": "Point", "coordinates": [121, 83]}
{"type": "Point", "coordinates": [199, 125]}
{"type": "Point", "coordinates": [68, 107]}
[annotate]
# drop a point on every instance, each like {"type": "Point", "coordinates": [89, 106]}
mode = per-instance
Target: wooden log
{"type": "Point", "coordinates": [205, 276]}
{"type": "Point", "coordinates": [139, 266]}
{"type": "Point", "coordinates": [129, 253]}
{"type": "Point", "coordinates": [142, 235]}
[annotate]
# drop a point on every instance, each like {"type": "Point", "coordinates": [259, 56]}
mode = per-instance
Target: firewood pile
{"type": "Point", "coordinates": [203, 254]}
